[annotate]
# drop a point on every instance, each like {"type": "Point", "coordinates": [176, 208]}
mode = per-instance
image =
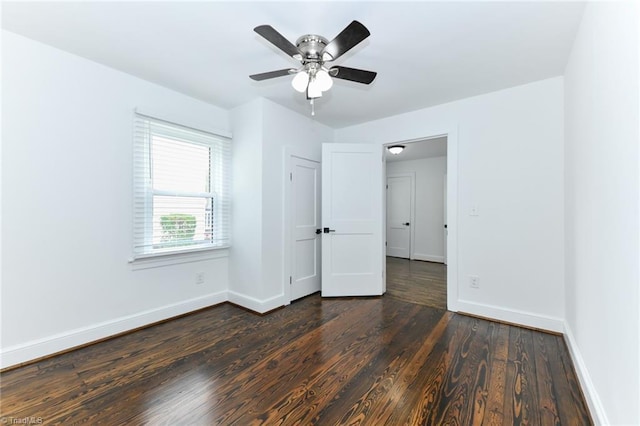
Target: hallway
{"type": "Point", "coordinates": [415, 281]}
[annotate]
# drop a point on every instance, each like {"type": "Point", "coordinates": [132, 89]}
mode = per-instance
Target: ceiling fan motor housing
{"type": "Point", "coordinates": [311, 47]}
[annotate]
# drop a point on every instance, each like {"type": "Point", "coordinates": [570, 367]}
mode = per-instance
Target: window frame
{"type": "Point", "coordinates": [145, 127]}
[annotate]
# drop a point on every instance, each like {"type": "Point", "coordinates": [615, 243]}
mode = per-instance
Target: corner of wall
{"type": "Point", "coordinates": [256, 305]}
{"type": "Point", "coordinates": [514, 316]}
{"type": "Point", "coordinates": [590, 393]}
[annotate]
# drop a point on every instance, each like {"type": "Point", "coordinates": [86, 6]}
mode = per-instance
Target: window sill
{"type": "Point", "coordinates": [157, 260]}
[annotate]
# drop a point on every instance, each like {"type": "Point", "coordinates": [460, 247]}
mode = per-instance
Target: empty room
{"type": "Point", "coordinates": [315, 212]}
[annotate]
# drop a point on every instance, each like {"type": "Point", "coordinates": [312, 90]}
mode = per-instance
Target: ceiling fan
{"type": "Point", "coordinates": [314, 51]}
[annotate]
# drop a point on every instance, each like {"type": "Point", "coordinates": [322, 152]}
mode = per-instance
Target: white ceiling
{"type": "Point", "coordinates": [425, 53]}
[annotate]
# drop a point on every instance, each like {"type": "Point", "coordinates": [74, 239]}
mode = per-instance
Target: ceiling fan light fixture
{"type": "Point", "coordinates": [314, 90]}
{"type": "Point", "coordinates": [300, 81]}
{"type": "Point", "coordinates": [323, 80]}
{"type": "Point", "coordinates": [396, 149]}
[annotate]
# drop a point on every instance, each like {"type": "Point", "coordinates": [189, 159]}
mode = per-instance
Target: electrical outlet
{"type": "Point", "coordinates": [474, 281]}
{"type": "Point", "coordinates": [474, 211]}
{"type": "Point", "coordinates": [200, 278]}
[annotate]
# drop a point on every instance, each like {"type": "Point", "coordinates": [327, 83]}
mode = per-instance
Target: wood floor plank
{"type": "Point", "coordinates": [342, 360]}
{"type": "Point", "coordinates": [319, 361]}
{"type": "Point", "coordinates": [547, 396]}
{"type": "Point", "coordinates": [415, 281]}
{"type": "Point", "coordinates": [399, 392]}
{"type": "Point", "coordinates": [499, 350]}
{"type": "Point", "coordinates": [223, 359]}
{"type": "Point", "coordinates": [375, 381]}
{"type": "Point", "coordinates": [521, 392]}
{"type": "Point", "coordinates": [576, 400]}
{"type": "Point", "coordinates": [435, 376]}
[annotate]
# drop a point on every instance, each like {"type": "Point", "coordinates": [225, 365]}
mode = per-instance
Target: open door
{"type": "Point", "coordinates": [352, 220]}
{"type": "Point", "coordinates": [305, 214]}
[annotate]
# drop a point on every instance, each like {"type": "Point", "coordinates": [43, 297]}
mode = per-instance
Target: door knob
{"type": "Point", "coordinates": [327, 230]}
{"type": "Point", "coordinates": [406, 224]}
{"type": "Point", "coordinates": [318, 231]}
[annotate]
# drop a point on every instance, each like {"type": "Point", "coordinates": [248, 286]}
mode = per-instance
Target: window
{"type": "Point", "coordinates": [181, 188]}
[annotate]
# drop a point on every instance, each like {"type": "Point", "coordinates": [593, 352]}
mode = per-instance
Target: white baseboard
{"type": "Point", "coordinates": [427, 257]}
{"type": "Point", "coordinates": [256, 305]}
{"type": "Point", "coordinates": [593, 400]}
{"type": "Point", "coordinates": [526, 319]}
{"type": "Point", "coordinates": [63, 341]}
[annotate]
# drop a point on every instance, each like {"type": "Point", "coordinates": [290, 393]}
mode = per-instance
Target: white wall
{"type": "Point", "coordinates": [67, 204]}
{"type": "Point", "coordinates": [245, 263]}
{"type": "Point", "coordinates": [510, 165]}
{"type": "Point", "coordinates": [282, 127]}
{"type": "Point", "coordinates": [601, 210]}
{"type": "Point", "coordinates": [261, 131]}
{"type": "Point", "coordinates": [428, 226]}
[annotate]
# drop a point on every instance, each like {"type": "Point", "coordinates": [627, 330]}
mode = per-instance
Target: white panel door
{"type": "Point", "coordinates": [352, 220]}
{"type": "Point", "coordinates": [305, 254]}
{"type": "Point", "coordinates": [399, 216]}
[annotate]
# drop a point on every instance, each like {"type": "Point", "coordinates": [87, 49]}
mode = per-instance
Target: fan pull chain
{"type": "Point", "coordinates": [313, 109]}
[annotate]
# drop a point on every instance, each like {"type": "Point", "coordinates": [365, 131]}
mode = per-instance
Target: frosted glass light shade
{"type": "Point", "coordinates": [314, 91]}
{"type": "Point", "coordinates": [300, 81]}
{"type": "Point", "coordinates": [324, 80]}
{"type": "Point", "coordinates": [396, 149]}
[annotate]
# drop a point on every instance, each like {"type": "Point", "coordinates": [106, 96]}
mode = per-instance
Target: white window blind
{"type": "Point", "coordinates": [181, 188]}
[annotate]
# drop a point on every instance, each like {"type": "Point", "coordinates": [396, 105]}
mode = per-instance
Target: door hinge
{"type": "Point", "coordinates": [387, 186]}
{"type": "Point", "coordinates": [385, 243]}
{"type": "Point", "coordinates": [290, 280]}
{"type": "Point", "coordinates": [291, 176]}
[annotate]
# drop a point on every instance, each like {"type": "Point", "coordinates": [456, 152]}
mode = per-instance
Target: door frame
{"type": "Point", "coordinates": [451, 133]}
{"type": "Point", "coordinates": [290, 152]}
{"type": "Point", "coordinates": [412, 208]}
{"type": "Point", "coordinates": [445, 230]}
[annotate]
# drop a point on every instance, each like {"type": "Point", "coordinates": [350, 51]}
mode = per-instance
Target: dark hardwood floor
{"type": "Point", "coordinates": [416, 281]}
{"type": "Point", "coordinates": [367, 361]}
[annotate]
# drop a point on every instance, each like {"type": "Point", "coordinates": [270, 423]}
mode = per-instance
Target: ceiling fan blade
{"type": "Point", "coordinates": [353, 74]}
{"type": "Point", "coordinates": [353, 34]}
{"type": "Point", "coordinates": [271, 74]}
{"type": "Point", "coordinates": [278, 40]}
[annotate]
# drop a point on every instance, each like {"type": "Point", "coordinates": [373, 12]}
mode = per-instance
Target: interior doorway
{"type": "Point", "coordinates": [416, 221]}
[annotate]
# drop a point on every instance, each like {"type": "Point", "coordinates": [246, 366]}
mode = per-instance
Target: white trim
{"type": "Point", "coordinates": [427, 257]}
{"type": "Point", "coordinates": [185, 121]}
{"type": "Point", "coordinates": [594, 403]}
{"type": "Point", "coordinates": [514, 316]}
{"type": "Point", "coordinates": [256, 305]}
{"type": "Point", "coordinates": [156, 260]}
{"type": "Point", "coordinates": [452, 219]}
{"type": "Point", "coordinates": [38, 348]}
